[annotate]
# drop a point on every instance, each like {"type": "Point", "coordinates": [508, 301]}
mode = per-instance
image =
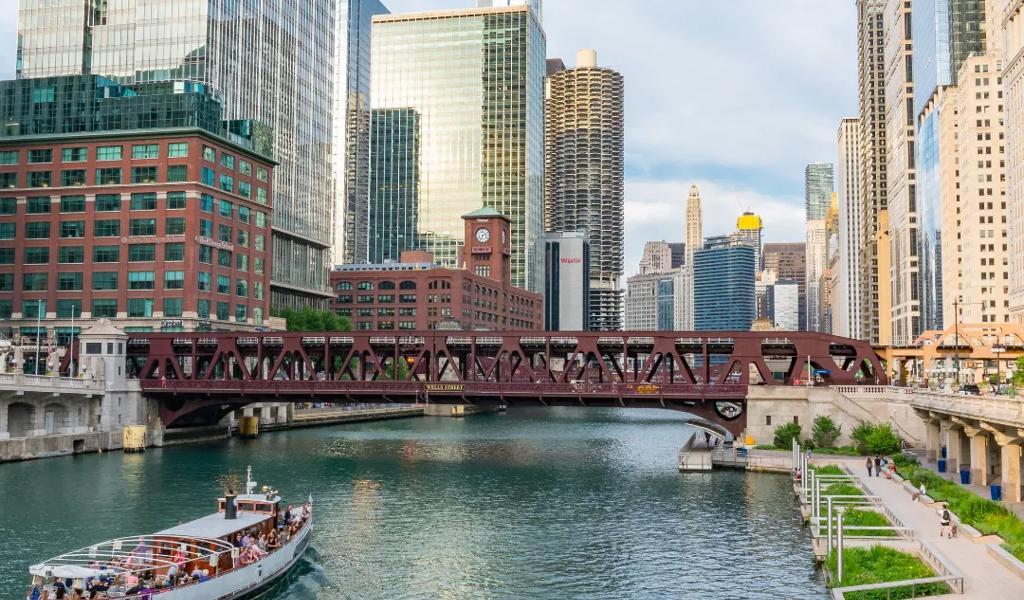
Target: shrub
{"type": "Point", "coordinates": [883, 440]}
{"type": "Point", "coordinates": [828, 470]}
{"type": "Point", "coordinates": [860, 435]}
{"type": "Point", "coordinates": [785, 434]}
{"type": "Point", "coordinates": [825, 432]}
{"type": "Point", "coordinates": [880, 564]}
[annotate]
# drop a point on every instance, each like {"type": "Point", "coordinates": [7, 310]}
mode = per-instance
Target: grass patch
{"type": "Point", "coordinates": [855, 517]}
{"type": "Point", "coordinates": [765, 447]}
{"type": "Point", "coordinates": [827, 470]}
{"type": "Point", "coordinates": [841, 451]}
{"type": "Point", "coordinates": [862, 566]}
{"type": "Point", "coordinates": [842, 489]}
{"type": "Point", "coordinates": [987, 516]}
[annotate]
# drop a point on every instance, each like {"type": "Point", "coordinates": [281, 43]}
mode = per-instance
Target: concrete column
{"type": "Point", "coordinates": [953, 448]}
{"type": "Point", "coordinates": [932, 440]}
{"type": "Point", "coordinates": [1010, 471]}
{"type": "Point", "coordinates": [979, 458]}
{"type": "Point", "coordinates": [4, 433]}
{"type": "Point", "coordinates": [38, 422]}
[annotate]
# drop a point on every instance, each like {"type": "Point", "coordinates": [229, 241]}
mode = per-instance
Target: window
{"type": "Point", "coordinates": [206, 203]}
{"type": "Point", "coordinates": [177, 173]}
{"type": "Point", "coordinates": [242, 262]}
{"type": "Point", "coordinates": [106, 254]}
{"type": "Point", "coordinates": [261, 173]}
{"type": "Point", "coordinates": [38, 205]}
{"type": "Point", "coordinates": [6, 282]}
{"type": "Point", "coordinates": [69, 308]}
{"type": "Point", "coordinates": [243, 214]}
{"type": "Point", "coordinates": [244, 189]}
{"type": "Point", "coordinates": [227, 183]}
{"type": "Point", "coordinates": [223, 258]}
{"type": "Point", "coordinates": [39, 179]}
{"type": "Point", "coordinates": [141, 280]}
{"type": "Point", "coordinates": [243, 238]}
{"type": "Point", "coordinates": [69, 282]}
{"type": "Point", "coordinates": [386, 298]}
{"type": "Point", "coordinates": [8, 180]}
{"type": "Point", "coordinates": [72, 204]}
{"type": "Point", "coordinates": [140, 307]}
{"type": "Point", "coordinates": [104, 280]}
{"type": "Point", "coordinates": [407, 298]}
{"type": "Point", "coordinates": [6, 309]}
{"type": "Point", "coordinates": [224, 233]}
{"type": "Point", "coordinates": [6, 256]}
{"type": "Point", "coordinates": [365, 299]}
{"type": "Point", "coordinates": [257, 290]}
{"type": "Point", "coordinates": [30, 309]}
{"type": "Point", "coordinates": [257, 315]}
{"type": "Point", "coordinates": [174, 280]}
{"type": "Point", "coordinates": [174, 252]}
{"type": "Point", "coordinates": [143, 227]}
{"type": "Point", "coordinates": [242, 288]}
{"type": "Point", "coordinates": [222, 311]}
{"type": "Point", "coordinates": [227, 160]}
{"type": "Point", "coordinates": [223, 284]}
{"type": "Point", "coordinates": [37, 256]}
{"type": "Point", "coordinates": [224, 208]}
{"type": "Point", "coordinates": [72, 229]}
{"type": "Point", "coordinates": [240, 312]}
{"type": "Point", "coordinates": [144, 201]}
{"type": "Point", "coordinates": [258, 242]}
{"type": "Point", "coordinates": [107, 228]}
{"type": "Point", "coordinates": [142, 253]}
{"type": "Point", "coordinates": [80, 154]}
{"type": "Point", "coordinates": [203, 281]}
{"type": "Point", "coordinates": [407, 285]}
{"type": "Point", "coordinates": [261, 219]}
{"type": "Point", "coordinates": [8, 206]}
{"type": "Point", "coordinates": [143, 174]}
{"type": "Point", "coordinates": [37, 231]}
{"type": "Point", "coordinates": [209, 154]}
{"type": "Point", "coordinates": [7, 231]}
{"type": "Point", "coordinates": [386, 285]}
{"type": "Point", "coordinates": [205, 254]}
{"type": "Point", "coordinates": [71, 255]}
{"type": "Point", "coordinates": [206, 176]}
{"type": "Point", "coordinates": [145, 151]}
{"type": "Point", "coordinates": [108, 202]}
{"type": "Point", "coordinates": [35, 282]}
{"type": "Point", "coordinates": [244, 167]}
{"type": "Point", "coordinates": [108, 153]}
{"type": "Point", "coordinates": [40, 156]}
{"type": "Point", "coordinates": [104, 308]}
{"type": "Point", "coordinates": [172, 307]}
{"type": "Point", "coordinates": [345, 286]}
{"type": "Point", "coordinates": [257, 266]}
{"type": "Point", "coordinates": [203, 308]}
{"type": "Point", "coordinates": [111, 176]}
{"type": "Point", "coordinates": [261, 195]}
{"type": "Point", "coordinates": [175, 200]}
{"type": "Point", "coordinates": [174, 225]}
{"type": "Point", "coordinates": [205, 228]}
{"type": "Point", "coordinates": [177, 149]}
{"type": "Point", "coordinates": [365, 285]}
{"type": "Point", "coordinates": [72, 177]}
{"type": "Point", "coordinates": [8, 157]}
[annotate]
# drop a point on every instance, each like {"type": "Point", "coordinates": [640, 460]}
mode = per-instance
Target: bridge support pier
{"type": "Point", "coordinates": [1010, 454]}
{"type": "Point", "coordinates": [979, 456]}
{"type": "Point", "coordinates": [953, 446]}
{"type": "Point", "coordinates": [933, 439]}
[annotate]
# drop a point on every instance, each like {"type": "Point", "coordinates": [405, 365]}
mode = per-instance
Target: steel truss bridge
{"type": "Point", "coordinates": [199, 377]}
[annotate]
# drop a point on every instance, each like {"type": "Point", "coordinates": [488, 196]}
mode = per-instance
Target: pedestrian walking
{"type": "Point", "coordinates": [944, 522]}
{"type": "Point", "coordinates": [878, 465]}
{"type": "Point", "coordinates": [869, 464]}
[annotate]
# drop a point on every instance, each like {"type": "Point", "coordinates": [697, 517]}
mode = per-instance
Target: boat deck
{"type": "Point", "coordinates": [216, 526]}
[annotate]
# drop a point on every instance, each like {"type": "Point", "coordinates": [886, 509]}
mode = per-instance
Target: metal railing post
{"type": "Point", "coordinates": [839, 545]}
{"type": "Point", "coordinates": [829, 500]}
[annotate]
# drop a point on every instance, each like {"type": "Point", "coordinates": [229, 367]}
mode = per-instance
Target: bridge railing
{"type": "Point", "coordinates": [22, 381]}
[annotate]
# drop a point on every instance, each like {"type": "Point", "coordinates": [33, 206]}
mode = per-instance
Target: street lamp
{"type": "Point", "coordinates": [997, 349]}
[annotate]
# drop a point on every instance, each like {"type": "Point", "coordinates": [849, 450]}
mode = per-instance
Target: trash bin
{"type": "Point", "coordinates": [942, 465]}
{"type": "Point", "coordinates": [965, 476]}
{"type": "Point", "coordinates": [996, 491]}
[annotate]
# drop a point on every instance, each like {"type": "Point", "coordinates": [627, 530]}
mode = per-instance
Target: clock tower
{"type": "Point", "coordinates": [487, 249]}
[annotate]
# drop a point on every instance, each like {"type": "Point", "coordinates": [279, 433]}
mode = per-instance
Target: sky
{"type": "Point", "coordinates": [736, 96]}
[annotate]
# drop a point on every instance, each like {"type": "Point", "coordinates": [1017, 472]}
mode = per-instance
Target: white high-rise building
{"type": "Point", "coordinates": [847, 297]}
{"type": "Point", "coordinates": [694, 241]}
{"type": "Point", "coordinates": [818, 187]}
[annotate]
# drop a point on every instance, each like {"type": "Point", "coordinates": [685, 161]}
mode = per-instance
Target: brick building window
{"type": "Point", "coordinates": [108, 202]}
{"type": "Point", "coordinates": [104, 308]}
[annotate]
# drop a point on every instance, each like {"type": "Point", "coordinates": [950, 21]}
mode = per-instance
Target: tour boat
{"type": "Point", "coordinates": [204, 550]}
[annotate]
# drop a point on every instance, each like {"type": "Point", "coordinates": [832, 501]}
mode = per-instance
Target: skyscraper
{"type": "Point", "coordinates": [350, 147]}
{"type": "Point", "coordinates": [847, 296]}
{"type": "Point", "coordinates": [474, 78]}
{"type": "Point", "coordinates": [901, 174]}
{"type": "Point", "coordinates": [583, 179]}
{"type": "Point", "coordinates": [875, 326]}
{"type": "Point", "coordinates": [750, 229]}
{"type": "Point", "coordinates": [271, 62]}
{"type": "Point", "coordinates": [1012, 55]}
{"type": "Point", "coordinates": [694, 240]}
{"type": "Point", "coordinates": [788, 261]}
{"type": "Point", "coordinates": [818, 186]}
{"type": "Point", "coordinates": [723, 285]}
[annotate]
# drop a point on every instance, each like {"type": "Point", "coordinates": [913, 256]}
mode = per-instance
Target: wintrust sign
{"type": "Point", "coordinates": [570, 260]}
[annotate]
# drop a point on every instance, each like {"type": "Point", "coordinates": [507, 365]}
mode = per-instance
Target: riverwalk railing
{"type": "Point", "coordinates": [956, 583]}
{"type": "Point", "coordinates": [23, 382]}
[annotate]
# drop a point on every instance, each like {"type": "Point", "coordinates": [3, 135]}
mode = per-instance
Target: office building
{"type": "Point", "coordinates": [784, 305]}
{"type": "Point", "coordinates": [566, 281]}
{"type": "Point", "coordinates": [583, 178]}
{"type": "Point", "coordinates": [830, 280]}
{"type": "Point", "coordinates": [536, 5]}
{"type": "Point", "coordinates": [393, 211]}
{"type": "Point", "coordinates": [678, 254]}
{"type": "Point", "coordinates": [138, 204]}
{"type": "Point", "coordinates": [875, 322]}
{"type": "Point", "coordinates": [262, 62]}
{"type": "Point", "coordinates": [416, 293]}
{"type": "Point", "coordinates": [656, 301]}
{"type": "Point", "coordinates": [900, 170]}
{"type": "Point", "coordinates": [694, 240]}
{"type": "Point", "coordinates": [848, 295]}
{"type": "Point", "coordinates": [788, 261]}
{"type": "Point", "coordinates": [750, 229]}
{"type": "Point", "coordinates": [1012, 58]}
{"type": "Point", "coordinates": [818, 187]}
{"type": "Point", "coordinates": [723, 285]}
{"type": "Point", "coordinates": [657, 258]}
{"type": "Point", "coordinates": [474, 79]}
{"type": "Point", "coordinates": [351, 122]}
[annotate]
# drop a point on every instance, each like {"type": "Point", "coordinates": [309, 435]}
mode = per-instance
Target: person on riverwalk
{"type": "Point", "coordinates": [869, 464]}
{"type": "Point", "coordinates": [878, 465]}
{"type": "Point", "coordinates": [944, 522]}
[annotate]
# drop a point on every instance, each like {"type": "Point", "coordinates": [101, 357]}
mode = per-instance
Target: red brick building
{"type": "Point", "coordinates": [158, 229]}
{"type": "Point", "coordinates": [417, 294]}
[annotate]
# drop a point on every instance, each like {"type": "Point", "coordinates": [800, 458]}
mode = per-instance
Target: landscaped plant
{"type": "Point", "coordinates": [827, 470]}
{"type": "Point", "coordinates": [825, 432]}
{"type": "Point", "coordinates": [876, 439]}
{"type": "Point", "coordinates": [879, 564]}
{"type": "Point", "coordinates": [785, 434]}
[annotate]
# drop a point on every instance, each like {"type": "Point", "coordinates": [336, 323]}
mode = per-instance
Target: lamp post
{"type": "Point", "coordinates": [997, 349]}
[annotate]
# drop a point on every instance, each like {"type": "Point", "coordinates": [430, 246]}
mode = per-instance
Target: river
{"type": "Point", "coordinates": [536, 503]}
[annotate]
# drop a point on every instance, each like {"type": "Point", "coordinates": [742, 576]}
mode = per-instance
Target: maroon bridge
{"type": "Point", "coordinates": [199, 377]}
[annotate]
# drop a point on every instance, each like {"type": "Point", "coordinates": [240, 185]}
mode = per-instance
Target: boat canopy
{"type": "Point", "coordinates": [131, 555]}
{"type": "Point", "coordinates": [216, 525]}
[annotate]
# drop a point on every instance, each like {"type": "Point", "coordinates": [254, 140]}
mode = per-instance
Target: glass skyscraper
{"type": "Point", "coordinates": [394, 183]}
{"type": "Point", "coordinates": [818, 186]}
{"type": "Point", "coordinates": [475, 79]}
{"type": "Point", "coordinates": [269, 61]}
{"type": "Point", "coordinates": [723, 285]}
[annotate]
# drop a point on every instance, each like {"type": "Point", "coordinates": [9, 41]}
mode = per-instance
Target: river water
{"type": "Point", "coordinates": [536, 503]}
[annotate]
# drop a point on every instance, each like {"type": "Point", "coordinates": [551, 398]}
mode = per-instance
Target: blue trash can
{"type": "Point", "coordinates": [942, 465]}
{"type": "Point", "coordinates": [965, 476]}
{"type": "Point", "coordinates": [996, 491]}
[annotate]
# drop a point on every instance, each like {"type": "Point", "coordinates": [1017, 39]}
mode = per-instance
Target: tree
{"type": "Point", "coordinates": [883, 440]}
{"type": "Point", "coordinates": [1018, 372]}
{"type": "Point", "coordinates": [785, 434]}
{"type": "Point", "coordinates": [825, 432]}
{"type": "Point", "coordinates": [311, 319]}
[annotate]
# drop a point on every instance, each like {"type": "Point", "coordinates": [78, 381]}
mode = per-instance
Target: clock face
{"type": "Point", "coordinates": [482, 235]}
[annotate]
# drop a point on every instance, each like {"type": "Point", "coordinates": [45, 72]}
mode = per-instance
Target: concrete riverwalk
{"type": "Point", "coordinates": [985, 578]}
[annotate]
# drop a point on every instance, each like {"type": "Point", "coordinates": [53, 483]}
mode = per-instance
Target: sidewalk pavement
{"type": "Point", "coordinates": [984, 577]}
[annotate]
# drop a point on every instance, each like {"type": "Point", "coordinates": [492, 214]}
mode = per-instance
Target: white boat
{"type": "Point", "coordinates": [201, 559]}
